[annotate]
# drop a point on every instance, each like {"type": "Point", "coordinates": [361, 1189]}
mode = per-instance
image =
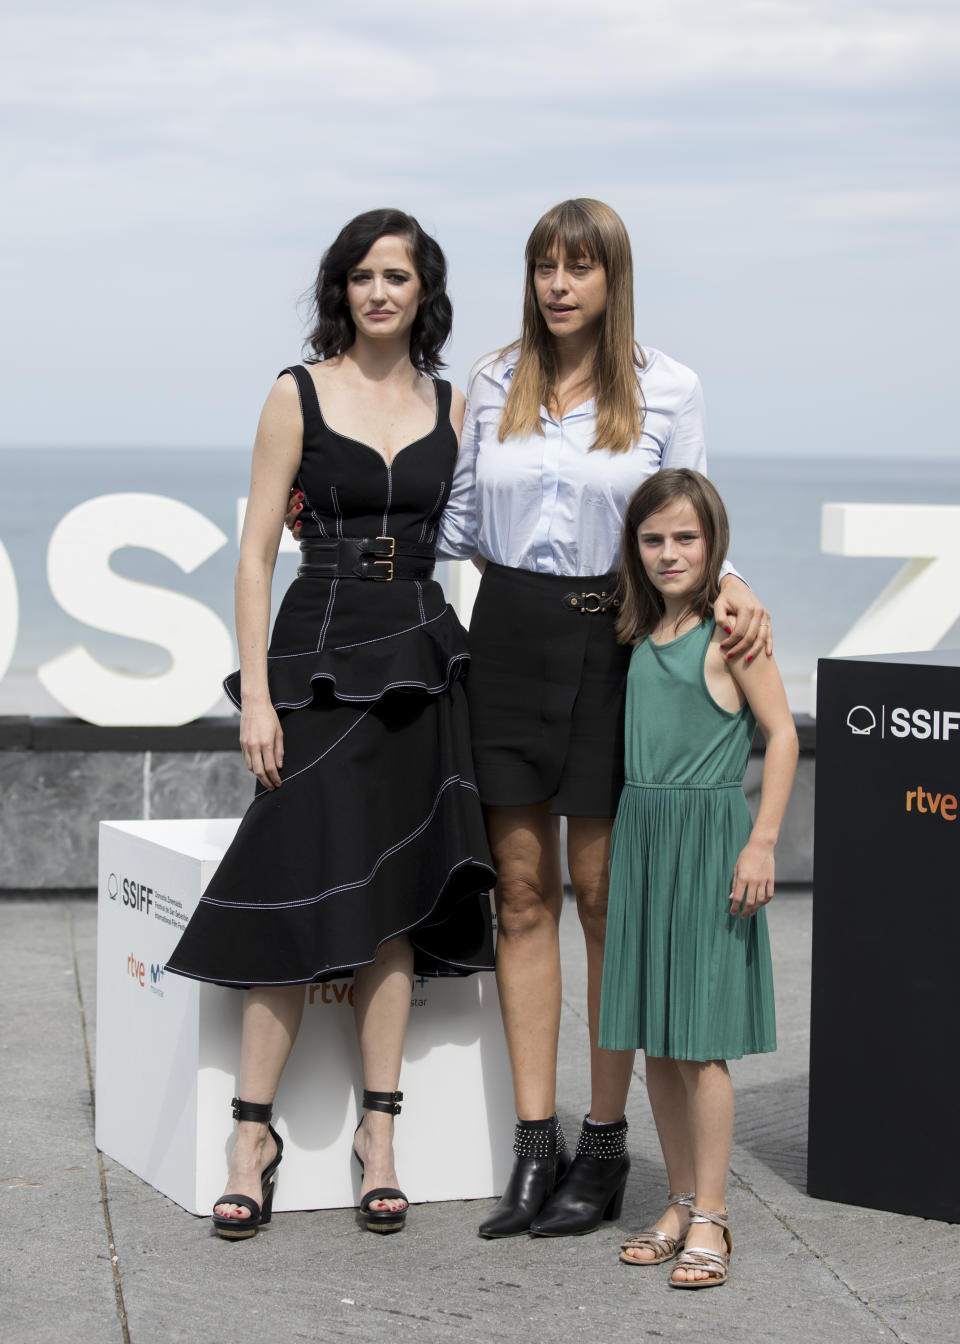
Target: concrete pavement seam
{"type": "Point", "coordinates": [104, 1199]}
{"type": "Point", "coordinates": [784, 1223]}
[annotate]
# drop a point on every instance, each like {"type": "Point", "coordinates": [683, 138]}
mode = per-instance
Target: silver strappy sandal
{"type": "Point", "coordinates": [715, 1263]}
{"type": "Point", "coordinates": [664, 1247]}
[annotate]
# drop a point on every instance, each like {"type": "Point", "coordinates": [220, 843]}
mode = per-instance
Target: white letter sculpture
{"type": "Point", "coordinates": [922, 601]}
{"type": "Point", "coordinates": [9, 611]}
{"type": "Point", "coordinates": [80, 578]}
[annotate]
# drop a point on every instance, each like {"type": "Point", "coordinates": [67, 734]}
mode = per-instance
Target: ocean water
{"type": "Point", "coordinates": [774, 505]}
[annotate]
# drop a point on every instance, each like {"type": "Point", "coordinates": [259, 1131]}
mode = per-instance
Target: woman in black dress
{"type": "Point", "coordinates": [364, 850]}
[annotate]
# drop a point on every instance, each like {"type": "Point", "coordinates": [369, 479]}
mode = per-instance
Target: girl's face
{"type": "Point", "coordinates": [673, 549]}
{"type": "Point", "coordinates": [571, 293]}
{"type": "Point", "coordinates": [383, 290]}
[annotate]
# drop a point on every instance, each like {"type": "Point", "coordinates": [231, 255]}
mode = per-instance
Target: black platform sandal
{"type": "Point", "coordinates": [236, 1229]}
{"type": "Point", "coordinates": [592, 1189]}
{"type": "Point", "coordinates": [542, 1160]}
{"type": "Point", "coordinates": [381, 1220]}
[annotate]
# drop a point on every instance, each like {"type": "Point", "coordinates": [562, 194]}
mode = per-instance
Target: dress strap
{"type": "Point", "coordinates": [309, 402]}
{"type": "Point", "coordinates": [444, 397]}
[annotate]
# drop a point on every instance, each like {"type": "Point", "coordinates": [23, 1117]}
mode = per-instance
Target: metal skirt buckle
{"type": "Point", "coordinates": [589, 604]}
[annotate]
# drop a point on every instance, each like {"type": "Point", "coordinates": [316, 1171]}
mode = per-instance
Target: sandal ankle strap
{"type": "Point", "coordinates": [388, 1102]}
{"type": "Point", "coordinates": [685, 1198]}
{"type": "Point", "coordinates": [708, 1216]}
{"type": "Point", "coordinates": [261, 1112]}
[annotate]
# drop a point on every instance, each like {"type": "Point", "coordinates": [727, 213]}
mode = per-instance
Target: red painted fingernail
{"type": "Point", "coordinates": [729, 655]}
{"type": "Point", "coordinates": [299, 523]}
{"type": "Point", "coordinates": [299, 494]}
{"type": "Point", "coordinates": [727, 628]}
{"type": "Point", "coordinates": [750, 658]}
{"type": "Point", "coordinates": [299, 506]}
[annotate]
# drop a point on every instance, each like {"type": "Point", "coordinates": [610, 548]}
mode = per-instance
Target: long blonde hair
{"type": "Point", "coordinates": [574, 229]}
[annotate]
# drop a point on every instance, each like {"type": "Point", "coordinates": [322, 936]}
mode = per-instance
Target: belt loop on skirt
{"type": "Point", "coordinates": [589, 604]}
{"type": "Point", "coordinates": [381, 559]}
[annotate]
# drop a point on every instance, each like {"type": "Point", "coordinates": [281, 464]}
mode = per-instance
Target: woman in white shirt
{"type": "Point", "coordinates": [560, 430]}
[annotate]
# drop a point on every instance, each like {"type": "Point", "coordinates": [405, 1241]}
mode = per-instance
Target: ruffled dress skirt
{"type": "Point", "coordinates": [377, 829]}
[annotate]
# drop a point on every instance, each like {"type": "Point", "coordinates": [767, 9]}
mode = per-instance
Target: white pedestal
{"type": "Point", "coordinates": [168, 1051]}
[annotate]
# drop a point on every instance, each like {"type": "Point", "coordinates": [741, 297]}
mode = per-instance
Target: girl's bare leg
{"type": "Point", "coordinates": [271, 1020]}
{"type": "Point", "coordinates": [668, 1101]}
{"type": "Point", "coordinates": [588, 856]}
{"type": "Point", "coordinates": [710, 1118]}
{"type": "Point", "coordinates": [381, 1008]}
{"type": "Point", "coordinates": [529, 895]}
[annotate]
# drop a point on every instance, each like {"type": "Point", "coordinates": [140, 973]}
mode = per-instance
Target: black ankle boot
{"type": "Point", "coordinates": [542, 1159]}
{"type": "Point", "coordinates": [592, 1189]}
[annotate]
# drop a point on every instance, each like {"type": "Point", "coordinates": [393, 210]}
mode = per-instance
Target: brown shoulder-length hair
{"type": "Point", "coordinates": [641, 604]}
{"type": "Point", "coordinates": [574, 229]}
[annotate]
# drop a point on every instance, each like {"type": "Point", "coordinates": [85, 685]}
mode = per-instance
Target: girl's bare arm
{"type": "Point", "coordinates": [753, 878]}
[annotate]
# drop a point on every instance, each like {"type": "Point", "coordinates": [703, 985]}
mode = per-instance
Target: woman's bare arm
{"type": "Point", "coordinates": [276, 460]}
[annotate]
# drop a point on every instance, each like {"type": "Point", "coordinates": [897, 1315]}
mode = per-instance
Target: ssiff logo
{"type": "Point", "coordinates": [936, 724]}
{"type": "Point", "coordinates": [135, 895]}
{"type": "Point", "coordinates": [861, 720]}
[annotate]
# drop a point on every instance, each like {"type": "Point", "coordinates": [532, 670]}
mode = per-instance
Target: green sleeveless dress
{"type": "Point", "coordinates": [682, 978]}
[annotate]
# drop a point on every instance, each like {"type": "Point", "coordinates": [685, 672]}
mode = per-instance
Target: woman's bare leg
{"type": "Point", "coordinates": [710, 1119]}
{"type": "Point", "coordinates": [271, 1020]}
{"type": "Point", "coordinates": [588, 857]}
{"type": "Point", "coordinates": [529, 895]}
{"type": "Point", "coordinates": [381, 1008]}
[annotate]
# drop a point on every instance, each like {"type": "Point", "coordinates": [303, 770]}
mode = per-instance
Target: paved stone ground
{"type": "Point", "coordinates": [92, 1254]}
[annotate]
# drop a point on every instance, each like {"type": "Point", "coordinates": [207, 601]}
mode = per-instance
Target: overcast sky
{"type": "Point", "coordinates": [787, 170]}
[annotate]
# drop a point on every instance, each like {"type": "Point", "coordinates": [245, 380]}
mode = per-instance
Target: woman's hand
{"type": "Point", "coordinates": [746, 621]}
{"type": "Point", "coordinates": [292, 519]}
{"type": "Point", "coordinates": [261, 740]}
{"type": "Point", "coordinates": [752, 879]}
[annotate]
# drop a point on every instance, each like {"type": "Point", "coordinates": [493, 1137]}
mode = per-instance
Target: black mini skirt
{"type": "Point", "coordinates": [546, 692]}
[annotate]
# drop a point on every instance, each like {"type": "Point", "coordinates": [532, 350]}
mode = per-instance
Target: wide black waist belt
{"type": "Point", "coordinates": [381, 559]}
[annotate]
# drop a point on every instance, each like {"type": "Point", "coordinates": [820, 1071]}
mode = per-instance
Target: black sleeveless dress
{"type": "Point", "coordinates": [377, 829]}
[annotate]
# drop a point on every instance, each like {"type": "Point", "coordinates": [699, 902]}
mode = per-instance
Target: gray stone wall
{"type": "Point", "coordinates": [60, 779]}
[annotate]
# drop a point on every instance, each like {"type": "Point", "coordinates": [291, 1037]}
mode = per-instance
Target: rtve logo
{"type": "Point", "coordinates": [137, 971]}
{"type": "Point", "coordinates": [932, 804]}
{"type": "Point", "coordinates": [136, 895]}
{"type": "Point", "coordinates": [936, 724]}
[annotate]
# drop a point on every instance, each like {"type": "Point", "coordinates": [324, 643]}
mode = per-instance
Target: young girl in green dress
{"type": "Point", "coordinates": [687, 974]}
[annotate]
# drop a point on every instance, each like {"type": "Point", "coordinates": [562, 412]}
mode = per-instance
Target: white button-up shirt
{"type": "Point", "coordinates": [546, 502]}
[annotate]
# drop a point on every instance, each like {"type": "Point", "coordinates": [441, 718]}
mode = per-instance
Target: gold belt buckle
{"type": "Point", "coordinates": [392, 551]}
{"type": "Point", "coordinates": [592, 597]}
{"type": "Point", "coordinates": [383, 578]}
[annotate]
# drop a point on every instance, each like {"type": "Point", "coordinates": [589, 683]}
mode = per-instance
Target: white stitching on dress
{"type": "Point", "coordinates": [389, 497]}
{"type": "Point", "coordinates": [360, 882]}
{"type": "Point", "coordinates": [287, 778]}
{"type": "Point", "coordinates": [326, 620]}
{"type": "Point", "coordinates": [428, 524]}
{"type": "Point", "coordinates": [338, 648]}
{"type": "Point", "coordinates": [331, 971]}
{"type": "Point", "coordinates": [390, 686]}
{"type": "Point", "coordinates": [423, 619]}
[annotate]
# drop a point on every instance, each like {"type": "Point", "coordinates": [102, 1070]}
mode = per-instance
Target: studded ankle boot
{"type": "Point", "coordinates": [541, 1159]}
{"type": "Point", "coordinates": [592, 1189]}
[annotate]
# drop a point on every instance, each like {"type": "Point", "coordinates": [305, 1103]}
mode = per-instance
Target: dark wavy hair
{"type": "Point", "coordinates": [334, 330]}
{"type": "Point", "coordinates": [641, 603]}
